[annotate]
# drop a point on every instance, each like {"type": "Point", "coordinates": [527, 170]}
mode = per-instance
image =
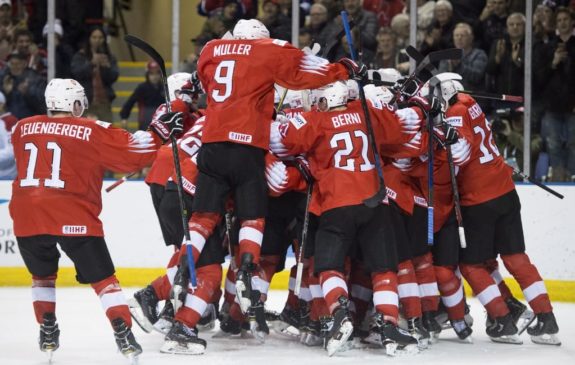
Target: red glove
{"type": "Point", "coordinates": [355, 70]}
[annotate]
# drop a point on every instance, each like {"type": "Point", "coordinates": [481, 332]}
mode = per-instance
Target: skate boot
{"type": "Point", "coordinates": [503, 330]}
{"type": "Point", "coordinates": [462, 330]}
{"type": "Point", "coordinates": [183, 340]}
{"type": "Point", "coordinates": [392, 338]}
{"type": "Point", "coordinates": [431, 325]}
{"type": "Point", "coordinates": [341, 329]}
{"type": "Point", "coordinates": [144, 308]}
{"type": "Point", "coordinates": [522, 316]}
{"type": "Point", "coordinates": [208, 320]}
{"type": "Point", "coordinates": [125, 340]}
{"type": "Point", "coordinates": [166, 318]}
{"type": "Point", "coordinates": [288, 322]}
{"type": "Point", "coordinates": [545, 330]}
{"type": "Point", "coordinates": [257, 319]}
{"type": "Point", "coordinates": [417, 330]}
{"type": "Point", "coordinates": [49, 335]}
{"type": "Point", "coordinates": [244, 282]}
{"type": "Point", "coordinates": [228, 326]}
{"type": "Point", "coordinates": [313, 335]}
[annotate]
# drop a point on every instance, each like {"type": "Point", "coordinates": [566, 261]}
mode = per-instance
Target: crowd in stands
{"type": "Point", "coordinates": [490, 32]}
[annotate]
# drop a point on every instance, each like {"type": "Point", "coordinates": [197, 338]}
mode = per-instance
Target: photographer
{"type": "Point", "coordinates": [507, 126]}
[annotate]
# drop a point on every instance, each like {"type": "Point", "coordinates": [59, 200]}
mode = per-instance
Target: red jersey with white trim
{"type": "Point", "coordinates": [337, 148]}
{"type": "Point", "coordinates": [484, 175]}
{"type": "Point", "coordinates": [61, 164]}
{"type": "Point", "coordinates": [238, 76]}
{"type": "Point", "coordinates": [398, 189]}
{"type": "Point", "coordinates": [188, 147]}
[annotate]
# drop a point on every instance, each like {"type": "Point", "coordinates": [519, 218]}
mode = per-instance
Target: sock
{"type": "Point", "coordinates": [43, 295]}
{"type": "Point", "coordinates": [485, 289]}
{"type": "Point", "coordinates": [408, 290]}
{"type": "Point", "coordinates": [385, 297]}
{"type": "Point", "coordinates": [251, 236]}
{"type": "Point", "coordinates": [333, 286]}
{"type": "Point", "coordinates": [112, 299]}
{"type": "Point", "coordinates": [428, 290]}
{"type": "Point", "coordinates": [451, 289]}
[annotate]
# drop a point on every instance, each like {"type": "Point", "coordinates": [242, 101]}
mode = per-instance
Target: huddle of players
{"type": "Point", "coordinates": [361, 264]}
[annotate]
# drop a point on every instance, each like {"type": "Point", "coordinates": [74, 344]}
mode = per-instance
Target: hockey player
{"type": "Point", "coordinates": [337, 135]}
{"type": "Point", "coordinates": [61, 159]}
{"type": "Point", "coordinates": [491, 212]}
{"type": "Point", "coordinates": [238, 76]}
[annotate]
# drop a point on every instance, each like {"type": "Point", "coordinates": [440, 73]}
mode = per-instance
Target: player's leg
{"type": "Point", "coordinates": [41, 256]}
{"type": "Point", "coordinates": [94, 266]}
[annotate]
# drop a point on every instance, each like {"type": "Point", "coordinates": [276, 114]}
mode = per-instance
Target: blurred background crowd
{"type": "Point", "coordinates": [490, 32]}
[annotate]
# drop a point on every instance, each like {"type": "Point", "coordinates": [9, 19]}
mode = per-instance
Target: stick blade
{"type": "Point", "coordinates": [147, 48]}
{"type": "Point", "coordinates": [446, 54]}
{"type": "Point", "coordinates": [413, 53]}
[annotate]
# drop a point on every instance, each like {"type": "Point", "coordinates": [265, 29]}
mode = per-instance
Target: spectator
{"type": "Point", "coordinates": [506, 59]}
{"type": "Point", "coordinates": [96, 69]}
{"type": "Point", "coordinates": [474, 62]}
{"type": "Point", "coordinates": [7, 161]}
{"type": "Point", "coordinates": [219, 23]}
{"type": "Point", "coordinates": [508, 131]}
{"type": "Point", "coordinates": [318, 21]}
{"type": "Point", "coordinates": [8, 118]}
{"type": "Point", "coordinates": [22, 87]}
{"type": "Point", "coordinates": [333, 7]}
{"type": "Point", "coordinates": [440, 34]}
{"type": "Point", "coordinates": [465, 11]}
{"type": "Point", "coordinates": [24, 44]}
{"type": "Point", "coordinates": [282, 28]}
{"type": "Point", "coordinates": [246, 8]}
{"type": "Point", "coordinates": [63, 51]}
{"type": "Point", "coordinates": [149, 95]}
{"type": "Point", "coordinates": [558, 123]}
{"type": "Point", "coordinates": [305, 39]}
{"type": "Point", "coordinates": [543, 23]}
{"type": "Point", "coordinates": [271, 19]}
{"type": "Point", "coordinates": [425, 14]}
{"type": "Point", "coordinates": [400, 26]}
{"type": "Point", "coordinates": [387, 55]}
{"type": "Point", "coordinates": [492, 23]}
{"type": "Point", "coordinates": [7, 25]}
{"type": "Point", "coordinates": [384, 10]}
{"type": "Point", "coordinates": [365, 21]}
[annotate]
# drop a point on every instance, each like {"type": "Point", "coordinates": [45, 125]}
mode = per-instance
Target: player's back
{"type": "Point", "coordinates": [342, 160]}
{"type": "Point", "coordinates": [485, 176]}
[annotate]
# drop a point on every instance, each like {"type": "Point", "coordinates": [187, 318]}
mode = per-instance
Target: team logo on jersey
{"type": "Point", "coordinates": [74, 229]}
{"type": "Point", "coordinates": [279, 42]}
{"type": "Point", "coordinates": [475, 111]}
{"type": "Point", "coordinates": [298, 121]}
{"type": "Point", "coordinates": [240, 137]}
{"type": "Point", "coordinates": [188, 186]}
{"type": "Point", "coordinates": [420, 201]}
{"type": "Point", "coordinates": [454, 121]}
{"type": "Point", "coordinates": [103, 124]}
{"type": "Point", "coordinates": [391, 193]}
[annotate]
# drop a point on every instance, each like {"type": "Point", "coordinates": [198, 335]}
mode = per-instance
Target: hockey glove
{"type": "Point", "coordinates": [450, 133]}
{"type": "Point", "coordinates": [429, 107]}
{"type": "Point", "coordinates": [196, 84]}
{"type": "Point", "coordinates": [168, 124]}
{"type": "Point", "coordinates": [276, 145]}
{"type": "Point", "coordinates": [355, 70]}
{"type": "Point", "coordinates": [277, 177]}
{"type": "Point", "coordinates": [303, 167]}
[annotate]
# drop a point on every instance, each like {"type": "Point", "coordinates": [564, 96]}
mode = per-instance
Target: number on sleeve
{"type": "Point", "coordinates": [224, 77]}
{"type": "Point", "coordinates": [54, 180]}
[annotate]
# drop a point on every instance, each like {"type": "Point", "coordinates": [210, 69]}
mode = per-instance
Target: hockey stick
{"type": "Point", "coordinates": [535, 182]}
{"type": "Point", "coordinates": [228, 218]}
{"type": "Point", "coordinates": [120, 181]}
{"type": "Point", "coordinates": [299, 272]}
{"type": "Point", "coordinates": [502, 97]}
{"type": "Point", "coordinates": [326, 51]}
{"type": "Point", "coordinates": [375, 200]}
{"type": "Point", "coordinates": [150, 51]}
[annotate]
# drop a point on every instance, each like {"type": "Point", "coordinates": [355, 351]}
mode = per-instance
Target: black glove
{"type": "Point", "coordinates": [431, 107]}
{"type": "Point", "coordinates": [196, 84]}
{"type": "Point", "coordinates": [451, 135]}
{"type": "Point", "coordinates": [355, 70]}
{"type": "Point", "coordinates": [303, 166]}
{"type": "Point", "coordinates": [168, 124]}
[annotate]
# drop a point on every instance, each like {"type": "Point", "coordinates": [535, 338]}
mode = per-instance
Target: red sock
{"type": "Point", "coordinates": [43, 295]}
{"type": "Point", "coordinates": [428, 290]}
{"type": "Point", "coordinates": [162, 287]}
{"type": "Point", "coordinates": [385, 297]}
{"type": "Point", "coordinates": [292, 299]}
{"type": "Point", "coordinates": [113, 300]}
{"type": "Point", "coordinates": [251, 235]}
{"type": "Point", "coordinates": [209, 281]}
{"type": "Point", "coordinates": [333, 286]}
{"type": "Point", "coordinates": [485, 289]}
{"type": "Point", "coordinates": [408, 290]}
{"type": "Point", "coordinates": [451, 290]}
{"type": "Point", "coordinates": [230, 287]}
{"type": "Point", "coordinates": [201, 227]}
{"type": "Point", "coordinates": [493, 268]}
{"type": "Point", "coordinates": [529, 280]}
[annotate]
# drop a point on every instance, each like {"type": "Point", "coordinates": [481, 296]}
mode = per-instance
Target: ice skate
{"type": "Point", "coordinates": [522, 316]}
{"type": "Point", "coordinates": [144, 308]}
{"type": "Point", "coordinates": [430, 324]}
{"type": "Point", "coordinates": [417, 330]}
{"type": "Point", "coordinates": [341, 329]}
{"type": "Point", "coordinates": [208, 320]}
{"type": "Point", "coordinates": [391, 337]}
{"type": "Point", "coordinates": [462, 330]}
{"type": "Point", "coordinates": [228, 326]}
{"type": "Point", "coordinates": [544, 332]}
{"type": "Point", "coordinates": [244, 282]}
{"type": "Point", "coordinates": [166, 319]}
{"type": "Point", "coordinates": [257, 320]}
{"type": "Point", "coordinates": [503, 330]}
{"type": "Point", "coordinates": [126, 341]}
{"type": "Point", "coordinates": [288, 323]}
{"type": "Point", "coordinates": [183, 340]}
{"type": "Point", "coordinates": [49, 335]}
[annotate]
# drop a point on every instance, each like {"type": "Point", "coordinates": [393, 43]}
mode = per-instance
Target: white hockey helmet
{"type": "Point", "coordinates": [62, 95]}
{"type": "Point", "coordinates": [353, 90]}
{"type": "Point", "coordinates": [178, 82]}
{"type": "Point", "coordinates": [379, 93]}
{"type": "Point", "coordinates": [250, 29]}
{"type": "Point", "coordinates": [335, 94]}
{"type": "Point", "coordinates": [298, 99]}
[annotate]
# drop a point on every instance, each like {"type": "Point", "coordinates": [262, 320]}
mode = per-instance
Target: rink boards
{"type": "Point", "coordinates": [135, 240]}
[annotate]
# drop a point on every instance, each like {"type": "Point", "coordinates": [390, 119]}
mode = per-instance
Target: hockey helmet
{"type": "Point", "coordinates": [180, 86]}
{"type": "Point", "coordinates": [379, 93]}
{"type": "Point", "coordinates": [335, 94]}
{"type": "Point", "coordinates": [250, 29]}
{"type": "Point", "coordinates": [66, 95]}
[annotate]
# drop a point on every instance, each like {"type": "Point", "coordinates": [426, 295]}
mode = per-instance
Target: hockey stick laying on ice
{"type": "Point", "coordinates": [120, 181]}
{"type": "Point", "coordinates": [181, 286]}
{"type": "Point", "coordinates": [380, 194]}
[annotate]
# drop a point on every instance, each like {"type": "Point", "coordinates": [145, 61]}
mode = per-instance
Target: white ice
{"type": "Point", "coordinates": [86, 339]}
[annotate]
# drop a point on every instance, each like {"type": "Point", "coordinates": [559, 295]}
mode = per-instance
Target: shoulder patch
{"type": "Point", "coordinates": [103, 124]}
{"type": "Point", "coordinates": [454, 121]}
{"type": "Point", "coordinates": [475, 111]}
{"type": "Point", "coordinates": [279, 42]}
{"type": "Point", "coordinates": [377, 104]}
{"type": "Point", "coordinates": [298, 121]}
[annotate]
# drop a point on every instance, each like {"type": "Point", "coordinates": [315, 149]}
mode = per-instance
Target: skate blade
{"type": "Point", "coordinates": [258, 335]}
{"type": "Point", "coordinates": [138, 315]}
{"type": "Point", "coordinates": [174, 347]}
{"type": "Point", "coordinates": [207, 327]}
{"type": "Point", "coordinates": [373, 339]}
{"type": "Point", "coordinates": [512, 339]}
{"type": "Point", "coordinates": [286, 330]}
{"type": "Point", "coordinates": [334, 345]}
{"type": "Point", "coordinates": [133, 358]}
{"type": "Point", "coordinates": [525, 321]}
{"type": "Point", "coordinates": [434, 337]}
{"type": "Point", "coordinates": [407, 350]}
{"type": "Point", "coordinates": [423, 343]}
{"type": "Point", "coordinates": [50, 354]}
{"type": "Point", "coordinates": [245, 303]}
{"type": "Point", "coordinates": [163, 326]}
{"type": "Point", "coordinates": [390, 349]}
{"type": "Point", "coordinates": [546, 339]}
{"type": "Point", "coordinates": [311, 340]}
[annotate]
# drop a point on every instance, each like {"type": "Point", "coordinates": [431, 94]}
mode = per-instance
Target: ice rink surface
{"type": "Point", "coordinates": [86, 339]}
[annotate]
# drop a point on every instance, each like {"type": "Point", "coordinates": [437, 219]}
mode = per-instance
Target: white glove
{"type": "Point", "coordinates": [277, 177]}
{"type": "Point", "coordinates": [276, 145]}
{"type": "Point", "coordinates": [403, 164]}
{"type": "Point", "coordinates": [461, 151]}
